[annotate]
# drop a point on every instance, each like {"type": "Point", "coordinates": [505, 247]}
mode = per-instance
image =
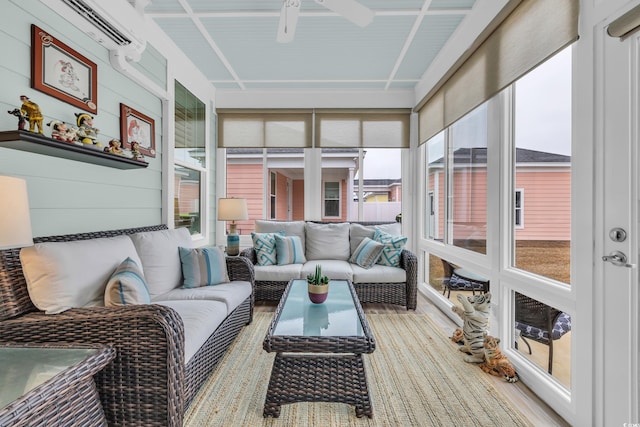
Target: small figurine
{"type": "Point", "coordinates": [86, 132]}
{"type": "Point", "coordinates": [60, 131]}
{"type": "Point", "coordinates": [22, 118]}
{"type": "Point", "coordinates": [135, 151]}
{"type": "Point", "coordinates": [114, 147]}
{"type": "Point", "coordinates": [32, 111]}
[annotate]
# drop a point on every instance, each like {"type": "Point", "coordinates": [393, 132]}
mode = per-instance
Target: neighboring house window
{"type": "Point", "coordinates": [519, 218]}
{"type": "Point", "coordinates": [331, 199]}
{"type": "Point", "coordinates": [190, 162]}
{"type": "Point", "coordinates": [273, 195]}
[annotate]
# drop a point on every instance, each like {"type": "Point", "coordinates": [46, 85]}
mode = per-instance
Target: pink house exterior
{"type": "Point", "coordinates": [543, 184]}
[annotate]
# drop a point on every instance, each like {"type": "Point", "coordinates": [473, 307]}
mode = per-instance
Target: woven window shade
{"type": "Point", "coordinates": [264, 128]}
{"type": "Point", "coordinates": [362, 128]}
{"type": "Point", "coordinates": [534, 31]}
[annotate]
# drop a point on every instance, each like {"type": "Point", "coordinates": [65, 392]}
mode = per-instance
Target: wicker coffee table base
{"type": "Point", "coordinates": [318, 378]}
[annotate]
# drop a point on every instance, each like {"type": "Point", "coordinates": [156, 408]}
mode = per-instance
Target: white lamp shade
{"type": "Point", "coordinates": [232, 209]}
{"type": "Point", "coordinates": [15, 223]}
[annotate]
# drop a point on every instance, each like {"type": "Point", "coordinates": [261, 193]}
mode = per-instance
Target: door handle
{"type": "Point", "coordinates": [618, 259]}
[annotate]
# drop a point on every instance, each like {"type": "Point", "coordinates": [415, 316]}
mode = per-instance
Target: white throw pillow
{"type": "Point", "coordinates": [160, 258]}
{"type": "Point", "coordinates": [64, 275]}
{"type": "Point", "coordinates": [328, 241]}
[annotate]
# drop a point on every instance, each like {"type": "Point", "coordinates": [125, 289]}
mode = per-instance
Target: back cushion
{"type": "Point", "coordinates": [290, 228]}
{"type": "Point", "coordinates": [160, 258]}
{"type": "Point", "coordinates": [64, 275]}
{"type": "Point", "coordinates": [358, 232]}
{"type": "Point", "coordinates": [328, 241]}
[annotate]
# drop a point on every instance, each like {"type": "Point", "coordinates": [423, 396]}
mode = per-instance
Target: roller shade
{"type": "Point", "coordinates": [362, 128]}
{"type": "Point", "coordinates": [626, 24]}
{"type": "Point", "coordinates": [264, 128]}
{"type": "Point", "coordinates": [534, 31]}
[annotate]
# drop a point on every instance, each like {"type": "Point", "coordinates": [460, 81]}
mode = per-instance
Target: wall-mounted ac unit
{"type": "Point", "coordinates": [115, 24]}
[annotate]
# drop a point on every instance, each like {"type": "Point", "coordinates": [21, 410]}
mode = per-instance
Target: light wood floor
{"type": "Point", "coordinates": [538, 412]}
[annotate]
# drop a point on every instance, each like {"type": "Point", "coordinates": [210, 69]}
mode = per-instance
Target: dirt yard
{"type": "Point", "coordinates": [546, 258]}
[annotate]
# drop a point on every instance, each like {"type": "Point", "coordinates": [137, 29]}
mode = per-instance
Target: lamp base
{"type": "Point", "coordinates": [233, 244]}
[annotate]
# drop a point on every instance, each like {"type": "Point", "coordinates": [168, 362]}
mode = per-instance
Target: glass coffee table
{"type": "Point", "coordinates": [319, 349]}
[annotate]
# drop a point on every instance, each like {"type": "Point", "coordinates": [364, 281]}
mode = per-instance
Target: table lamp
{"type": "Point", "coordinates": [15, 223]}
{"type": "Point", "coordinates": [232, 209]}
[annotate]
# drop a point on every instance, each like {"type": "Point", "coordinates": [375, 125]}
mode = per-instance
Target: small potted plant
{"type": "Point", "coordinates": [318, 286]}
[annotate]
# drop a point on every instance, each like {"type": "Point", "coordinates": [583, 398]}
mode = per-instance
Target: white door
{"type": "Point", "coordinates": [616, 285]}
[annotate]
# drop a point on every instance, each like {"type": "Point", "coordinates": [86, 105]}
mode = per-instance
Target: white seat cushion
{"type": "Point", "coordinates": [232, 294]}
{"type": "Point", "coordinates": [378, 274]}
{"type": "Point", "coordinates": [332, 268]}
{"type": "Point", "coordinates": [160, 258]}
{"type": "Point", "coordinates": [277, 273]}
{"type": "Point", "coordinates": [64, 275]}
{"type": "Point", "coordinates": [200, 319]}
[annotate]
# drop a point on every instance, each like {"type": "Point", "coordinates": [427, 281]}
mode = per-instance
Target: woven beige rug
{"type": "Point", "coordinates": [416, 377]}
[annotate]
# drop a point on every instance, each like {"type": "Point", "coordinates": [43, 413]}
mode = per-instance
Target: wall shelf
{"type": "Point", "coordinates": [35, 143]}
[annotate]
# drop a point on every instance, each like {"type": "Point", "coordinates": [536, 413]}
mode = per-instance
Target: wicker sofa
{"type": "Point", "coordinates": [338, 241]}
{"type": "Point", "coordinates": [150, 382]}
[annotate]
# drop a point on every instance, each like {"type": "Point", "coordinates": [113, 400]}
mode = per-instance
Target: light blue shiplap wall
{"type": "Point", "coordinates": [68, 196]}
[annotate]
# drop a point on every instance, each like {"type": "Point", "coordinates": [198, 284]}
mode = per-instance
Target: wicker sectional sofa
{"type": "Point", "coordinates": [165, 349]}
{"type": "Point", "coordinates": [332, 246]}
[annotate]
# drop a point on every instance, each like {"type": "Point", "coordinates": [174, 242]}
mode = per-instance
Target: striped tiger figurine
{"type": "Point", "coordinates": [475, 316]}
{"type": "Point", "coordinates": [496, 363]}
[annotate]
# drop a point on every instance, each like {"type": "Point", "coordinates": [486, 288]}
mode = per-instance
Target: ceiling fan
{"type": "Point", "coordinates": [349, 9]}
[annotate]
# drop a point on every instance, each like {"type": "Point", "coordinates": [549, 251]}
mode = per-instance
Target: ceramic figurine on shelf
{"type": "Point", "coordinates": [60, 131]}
{"type": "Point", "coordinates": [114, 147]}
{"type": "Point", "coordinates": [22, 118]}
{"type": "Point", "coordinates": [87, 134]}
{"type": "Point", "coordinates": [32, 111]}
{"type": "Point", "coordinates": [135, 151]}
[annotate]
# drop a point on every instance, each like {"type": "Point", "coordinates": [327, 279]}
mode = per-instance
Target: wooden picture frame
{"type": "Point", "coordinates": [61, 72]}
{"type": "Point", "coordinates": [135, 126]}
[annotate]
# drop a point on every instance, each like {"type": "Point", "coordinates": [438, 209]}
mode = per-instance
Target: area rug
{"type": "Point", "coordinates": [416, 377]}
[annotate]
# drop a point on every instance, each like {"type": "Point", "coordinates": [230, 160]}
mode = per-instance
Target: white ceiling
{"type": "Point", "coordinates": [233, 43]}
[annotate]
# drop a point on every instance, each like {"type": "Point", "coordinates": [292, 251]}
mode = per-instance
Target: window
{"type": "Point", "coordinates": [542, 168]}
{"type": "Point", "coordinates": [272, 193]}
{"type": "Point", "coordinates": [331, 200]}
{"type": "Point", "coordinates": [190, 160]}
{"type": "Point", "coordinates": [434, 221]}
{"type": "Point", "coordinates": [518, 202]}
{"type": "Point", "coordinates": [468, 177]}
{"type": "Point", "coordinates": [269, 153]}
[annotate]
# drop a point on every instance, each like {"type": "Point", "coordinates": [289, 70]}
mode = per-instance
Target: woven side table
{"type": "Point", "coordinates": [51, 385]}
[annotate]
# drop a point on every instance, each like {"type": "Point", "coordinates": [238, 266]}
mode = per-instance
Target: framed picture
{"type": "Point", "coordinates": [135, 126]}
{"type": "Point", "coordinates": [61, 72]}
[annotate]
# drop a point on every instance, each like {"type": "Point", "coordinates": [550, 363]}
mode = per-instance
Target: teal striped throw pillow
{"type": "Point", "coordinates": [126, 286]}
{"type": "Point", "coordinates": [289, 250]}
{"type": "Point", "coordinates": [265, 246]}
{"type": "Point", "coordinates": [367, 253]}
{"type": "Point", "coordinates": [393, 246]}
{"type": "Point", "coordinates": [203, 266]}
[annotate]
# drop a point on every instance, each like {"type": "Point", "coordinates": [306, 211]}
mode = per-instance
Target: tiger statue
{"type": "Point", "coordinates": [496, 363]}
{"type": "Point", "coordinates": [475, 316]}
